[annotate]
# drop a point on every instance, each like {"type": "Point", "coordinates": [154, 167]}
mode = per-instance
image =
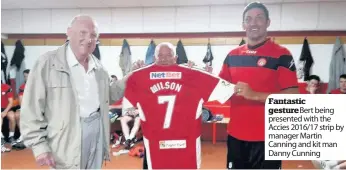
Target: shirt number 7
{"type": "Point", "coordinates": [170, 100]}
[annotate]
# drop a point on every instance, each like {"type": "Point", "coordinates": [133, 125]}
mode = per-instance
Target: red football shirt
{"type": "Point", "coordinates": [21, 89]}
{"type": "Point", "coordinates": [336, 91]}
{"type": "Point", "coordinates": [6, 93]}
{"type": "Point", "coordinates": [169, 100]}
{"type": "Point", "coordinates": [267, 67]}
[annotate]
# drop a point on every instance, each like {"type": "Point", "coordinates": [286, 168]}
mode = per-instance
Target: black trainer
{"type": "Point", "coordinates": [129, 144]}
{"type": "Point", "coordinates": [2, 141]}
{"type": "Point", "coordinates": [12, 141]}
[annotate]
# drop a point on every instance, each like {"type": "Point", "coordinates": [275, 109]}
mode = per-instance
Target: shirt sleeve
{"type": "Point", "coordinates": [224, 73]}
{"type": "Point", "coordinates": [129, 101]}
{"type": "Point", "coordinates": [335, 91]}
{"type": "Point", "coordinates": [287, 72]}
{"type": "Point", "coordinates": [214, 88]}
{"type": "Point", "coordinates": [21, 90]}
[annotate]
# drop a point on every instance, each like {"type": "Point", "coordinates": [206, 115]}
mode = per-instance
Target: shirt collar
{"type": "Point", "coordinates": [72, 60]}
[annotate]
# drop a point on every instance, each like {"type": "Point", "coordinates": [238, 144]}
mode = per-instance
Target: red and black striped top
{"type": "Point", "coordinates": [267, 67]}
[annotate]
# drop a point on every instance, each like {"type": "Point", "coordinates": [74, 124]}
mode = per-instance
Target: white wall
{"type": "Point", "coordinates": [291, 16]}
{"type": "Point", "coordinates": [110, 56]}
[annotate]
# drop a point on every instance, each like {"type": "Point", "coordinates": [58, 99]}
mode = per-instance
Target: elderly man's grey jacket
{"type": "Point", "coordinates": [50, 120]}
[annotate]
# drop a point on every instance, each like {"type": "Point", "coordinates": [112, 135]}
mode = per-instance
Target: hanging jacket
{"type": "Point", "coordinates": [125, 61]}
{"type": "Point", "coordinates": [306, 60]}
{"type": "Point", "coordinates": [18, 55]}
{"type": "Point", "coordinates": [182, 58]}
{"type": "Point", "coordinates": [208, 59]}
{"type": "Point", "coordinates": [4, 64]}
{"type": "Point", "coordinates": [17, 66]}
{"type": "Point", "coordinates": [242, 42]}
{"type": "Point", "coordinates": [96, 52]}
{"type": "Point", "coordinates": [337, 65]}
{"type": "Point", "coordinates": [149, 57]}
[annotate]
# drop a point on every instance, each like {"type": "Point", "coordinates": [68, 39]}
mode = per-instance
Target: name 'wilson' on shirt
{"type": "Point", "coordinates": [165, 86]}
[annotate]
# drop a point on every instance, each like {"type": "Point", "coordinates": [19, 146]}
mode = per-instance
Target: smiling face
{"type": "Point", "coordinates": [82, 36]}
{"type": "Point", "coordinates": [165, 56]}
{"type": "Point", "coordinates": [255, 24]}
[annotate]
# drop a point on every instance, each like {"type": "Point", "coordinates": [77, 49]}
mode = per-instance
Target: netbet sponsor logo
{"type": "Point", "coordinates": [165, 75]}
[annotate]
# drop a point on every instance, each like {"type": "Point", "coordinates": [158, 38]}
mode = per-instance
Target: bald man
{"type": "Point", "coordinates": [64, 117]}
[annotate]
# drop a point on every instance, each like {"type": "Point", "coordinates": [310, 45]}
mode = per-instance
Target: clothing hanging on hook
{"type": "Point", "coordinates": [242, 42]}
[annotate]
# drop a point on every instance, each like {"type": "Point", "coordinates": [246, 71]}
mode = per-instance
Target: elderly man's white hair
{"type": "Point", "coordinates": [166, 44]}
{"type": "Point", "coordinates": [80, 16]}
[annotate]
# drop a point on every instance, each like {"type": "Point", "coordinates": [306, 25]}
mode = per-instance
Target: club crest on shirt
{"type": "Point", "coordinates": [165, 75]}
{"type": "Point", "coordinates": [261, 62]}
{"type": "Point", "coordinates": [3, 93]}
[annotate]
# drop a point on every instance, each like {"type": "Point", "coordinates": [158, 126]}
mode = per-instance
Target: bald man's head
{"type": "Point", "coordinates": [82, 34]}
{"type": "Point", "coordinates": [165, 54]}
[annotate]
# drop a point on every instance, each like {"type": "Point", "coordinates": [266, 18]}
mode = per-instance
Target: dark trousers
{"type": "Point", "coordinates": [5, 129]}
{"type": "Point", "coordinates": [248, 155]}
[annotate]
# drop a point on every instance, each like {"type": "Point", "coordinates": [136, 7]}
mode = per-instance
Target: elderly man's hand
{"type": "Point", "coordinates": [137, 64]}
{"type": "Point", "coordinates": [208, 68]}
{"type": "Point", "coordinates": [190, 64]}
{"type": "Point", "coordinates": [46, 159]}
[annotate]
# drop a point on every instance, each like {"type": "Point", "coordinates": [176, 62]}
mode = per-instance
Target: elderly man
{"type": "Point", "coordinates": [65, 106]}
{"type": "Point", "coordinates": [171, 127]}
